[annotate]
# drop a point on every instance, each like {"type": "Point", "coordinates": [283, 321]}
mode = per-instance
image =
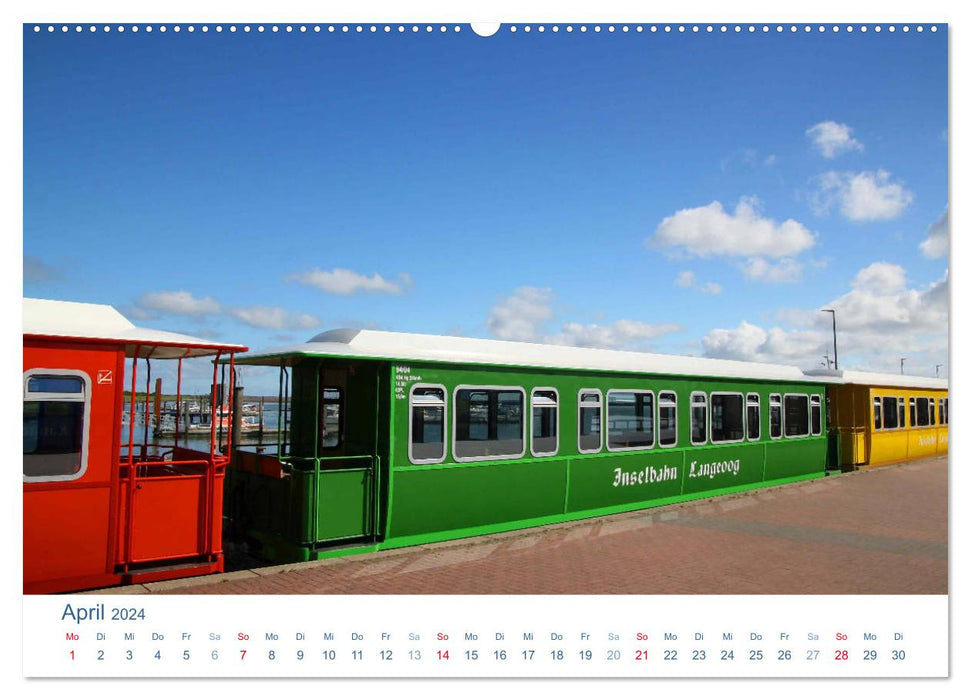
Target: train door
{"type": "Point", "coordinates": [347, 462]}
{"type": "Point", "coordinates": [70, 397]}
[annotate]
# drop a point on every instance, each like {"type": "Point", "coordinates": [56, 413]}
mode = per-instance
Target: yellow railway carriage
{"type": "Point", "coordinates": [877, 419]}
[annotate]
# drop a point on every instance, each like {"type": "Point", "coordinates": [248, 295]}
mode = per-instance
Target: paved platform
{"type": "Point", "coordinates": [880, 531]}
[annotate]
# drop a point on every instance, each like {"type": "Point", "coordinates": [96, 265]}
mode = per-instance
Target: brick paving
{"type": "Point", "coordinates": [881, 531]}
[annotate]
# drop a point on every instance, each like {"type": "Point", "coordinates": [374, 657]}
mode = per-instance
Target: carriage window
{"type": "Point", "coordinates": [589, 433]}
{"type": "Point", "coordinates": [754, 416]}
{"type": "Point", "coordinates": [913, 412]}
{"type": "Point", "coordinates": [727, 418]}
{"type": "Point", "coordinates": [545, 437]}
{"type": "Point", "coordinates": [667, 418]}
{"type": "Point", "coordinates": [877, 413]}
{"type": "Point", "coordinates": [489, 423]}
{"type": "Point", "coordinates": [947, 417]}
{"type": "Point", "coordinates": [889, 412]}
{"type": "Point", "coordinates": [699, 419]}
{"type": "Point", "coordinates": [901, 413]}
{"type": "Point", "coordinates": [923, 418]}
{"type": "Point", "coordinates": [775, 416]}
{"type": "Point", "coordinates": [932, 410]}
{"type": "Point", "coordinates": [427, 424]}
{"type": "Point", "coordinates": [55, 427]}
{"type": "Point", "coordinates": [796, 421]}
{"type": "Point", "coordinates": [940, 412]}
{"type": "Point", "coordinates": [816, 409]}
{"type": "Point", "coordinates": [331, 417]}
{"type": "Point", "coordinates": [630, 420]}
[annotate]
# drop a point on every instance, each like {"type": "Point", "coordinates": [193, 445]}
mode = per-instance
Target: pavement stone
{"type": "Point", "coordinates": [878, 531]}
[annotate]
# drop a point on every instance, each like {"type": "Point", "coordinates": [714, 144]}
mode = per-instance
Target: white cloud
{"type": "Point", "coordinates": [833, 139]}
{"type": "Point", "coordinates": [181, 303]}
{"type": "Point", "coordinates": [348, 282]}
{"type": "Point", "coordinates": [880, 278]}
{"type": "Point", "coordinates": [785, 271]}
{"type": "Point", "coordinates": [274, 318]}
{"type": "Point", "coordinates": [866, 196]}
{"type": "Point", "coordinates": [521, 315]}
{"type": "Point", "coordinates": [623, 333]}
{"type": "Point", "coordinates": [688, 280]}
{"type": "Point", "coordinates": [710, 230]}
{"type": "Point", "coordinates": [879, 321]}
{"type": "Point", "coordinates": [525, 314]}
{"type": "Point", "coordinates": [936, 243]}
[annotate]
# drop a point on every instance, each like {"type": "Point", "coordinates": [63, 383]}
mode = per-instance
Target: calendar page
{"type": "Point", "coordinates": [608, 343]}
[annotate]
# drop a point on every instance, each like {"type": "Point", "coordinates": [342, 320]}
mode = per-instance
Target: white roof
{"type": "Point", "coordinates": [903, 381]}
{"type": "Point", "coordinates": [68, 319]}
{"type": "Point", "coordinates": [435, 348]}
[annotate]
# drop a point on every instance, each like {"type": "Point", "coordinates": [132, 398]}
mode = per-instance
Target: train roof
{"type": "Point", "coordinates": [46, 318]}
{"type": "Point", "coordinates": [902, 381]}
{"type": "Point", "coordinates": [410, 347]}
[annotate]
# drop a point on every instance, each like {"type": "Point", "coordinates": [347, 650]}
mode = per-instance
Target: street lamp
{"type": "Point", "coordinates": [836, 357]}
{"type": "Point", "coordinates": [937, 370]}
{"type": "Point", "coordinates": [902, 364]}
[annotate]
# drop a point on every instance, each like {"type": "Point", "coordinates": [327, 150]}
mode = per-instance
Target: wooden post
{"type": "Point", "coordinates": [157, 407]}
{"type": "Point", "coordinates": [237, 418]}
{"type": "Point", "coordinates": [259, 433]}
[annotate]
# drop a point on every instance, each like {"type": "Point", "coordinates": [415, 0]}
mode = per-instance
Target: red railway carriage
{"type": "Point", "coordinates": [103, 503]}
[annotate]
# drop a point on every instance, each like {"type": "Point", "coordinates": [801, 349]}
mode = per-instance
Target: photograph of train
{"type": "Point", "coordinates": [641, 307]}
{"type": "Point", "coordinates": [394, 439]}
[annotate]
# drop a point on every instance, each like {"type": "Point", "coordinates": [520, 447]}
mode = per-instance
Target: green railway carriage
{"type": "Point", "coordinates": [397, 439]}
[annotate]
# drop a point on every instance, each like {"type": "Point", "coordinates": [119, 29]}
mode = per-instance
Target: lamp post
{"type": "Point", "coordinates": [836, 357]}
{"type": "Point", "coordinates": [937, 370]}
{"type": "Point", "coordinates": [902, 364]}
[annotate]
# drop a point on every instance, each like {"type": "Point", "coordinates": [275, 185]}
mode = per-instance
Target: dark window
{"type": "Point", "coordinates": [775, 416]}
{"type": "Point", "coordinates": [947, 415]}
{"type": "Point", "coordinates": [890, 412]}
{"type": "Point", "coordinates": [489, 423]}
{"type": "Point", "coordinates": [427, 424]}
{"type": "Point", "coordinates": [55, 384]}
{"type": "Point", "coordinates": [667, 418]}
{"type": "Point", "coordinates": [932, 409]}
{"type": "Point", "coordinates": [796, 415]}
{"type": "Point", "coordinates": [589, 428]}
{"type": "Point", "coordinates": [754, 416]}
{"type": "Point", "coordinates": [901, 413]}
{"type": "Point", "coordinates": [913, 412]}
{"type": "Point", "coordinates": [630, 419]}
{"type": "Point", "coordinates": [817, 414]}
{"type": "Point", "coordinates": [331, 417]}
{"type": "Point", "coordinates": [727, 418]}
{"type": "Point", "coordinates": [923, 412]}
{"type": "Point", "coordinates": [940, 412]}
{"type": "Point", "coordinates": [545, 441]}
{"type": "Point", "coordinates": [877, 413]}
{"type": "Point", "coordinates": [699, 419]}
{"type": "Point", "coordinates": [54, 426]}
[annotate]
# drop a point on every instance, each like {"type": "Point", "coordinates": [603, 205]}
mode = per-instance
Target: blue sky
{"type": "Point", "coordinates": [689, 193]}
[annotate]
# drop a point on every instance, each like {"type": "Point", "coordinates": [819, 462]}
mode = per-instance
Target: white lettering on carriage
{"type": "Point", "coordinates": [402, 377]}
{"type": "Point", "coordinates": [647, 475]}
{"type": "Point", "coordinates": [713, 469]}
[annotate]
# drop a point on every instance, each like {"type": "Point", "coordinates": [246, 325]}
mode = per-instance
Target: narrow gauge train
{"type": "Point", "coordinates": [882, 418]}
{"type": "Point", "coordinates": [102, 508]}
{"type": "Point", "coordinates": [396, 439]}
